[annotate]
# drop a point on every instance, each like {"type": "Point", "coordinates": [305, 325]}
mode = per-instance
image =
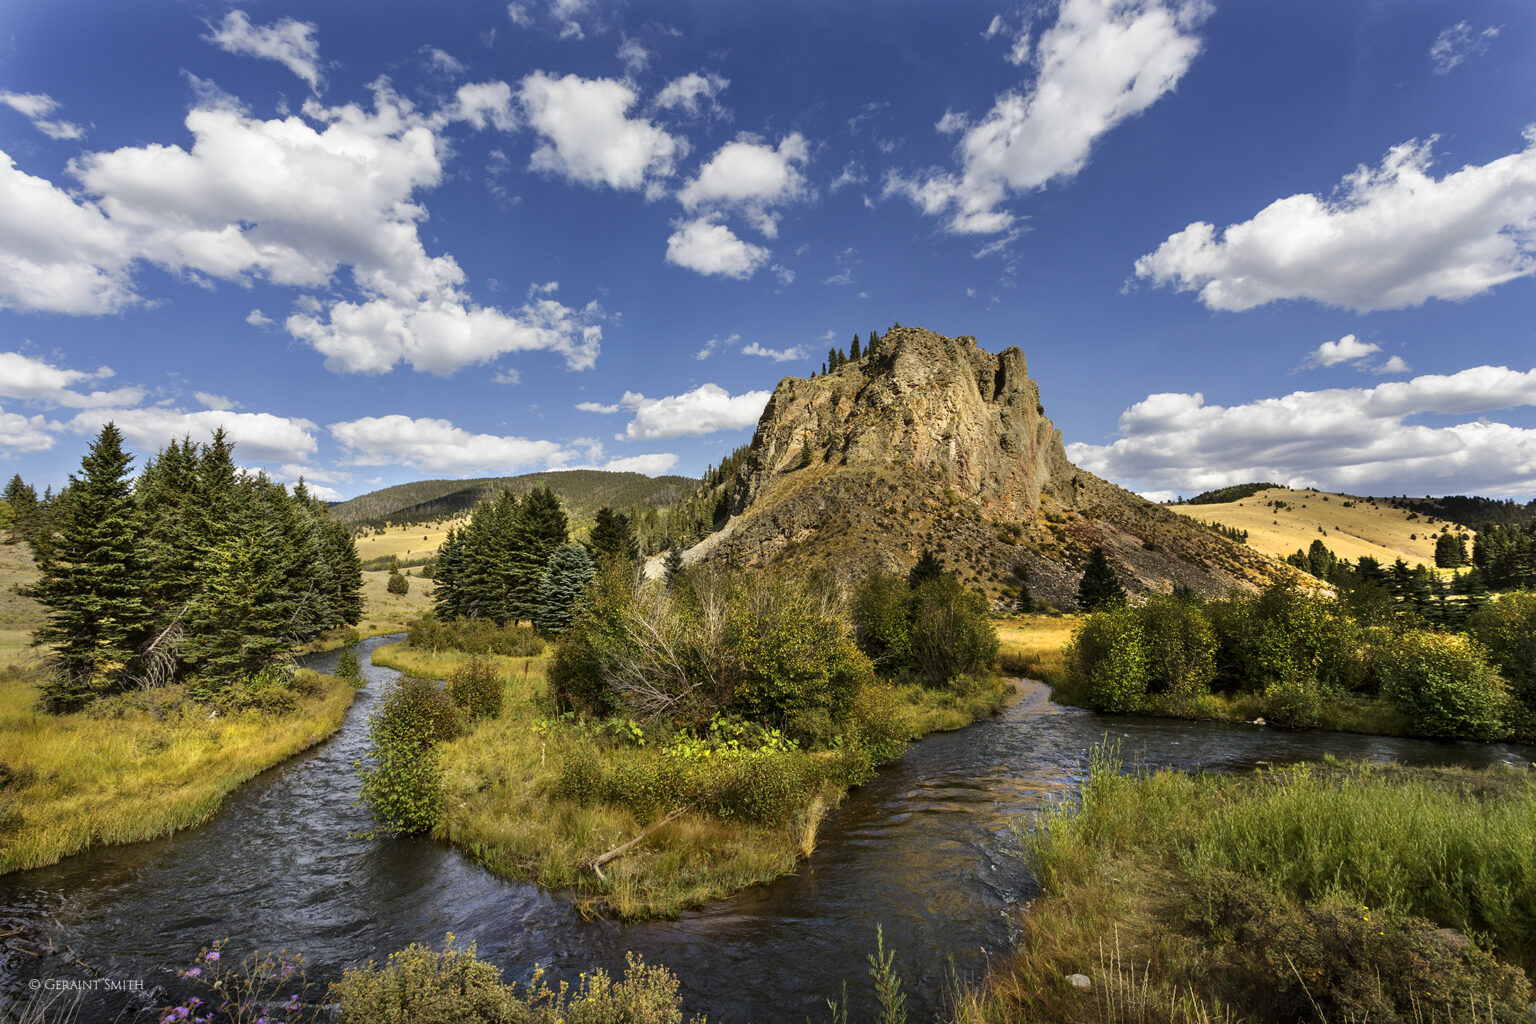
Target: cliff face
{"type": "Point", "coordinates": [931, 442]}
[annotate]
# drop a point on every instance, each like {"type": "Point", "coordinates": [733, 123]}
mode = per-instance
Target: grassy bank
{"type": "Point", "coordinates": [532, 796]}
{"type": "Point", "coordinates": [138, 766]}
{"type": "Point", "coordinates": [1316, 893]}
{"type": "Point", "coordinates": [1034, 646]}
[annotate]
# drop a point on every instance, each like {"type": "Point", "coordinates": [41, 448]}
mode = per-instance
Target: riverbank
{"type": "Point", "coordinates": [1319, 891]}
{"type": "Point", "coordinates": [142, 765]}
{"type": "Point", "coordinates": [537, 797]}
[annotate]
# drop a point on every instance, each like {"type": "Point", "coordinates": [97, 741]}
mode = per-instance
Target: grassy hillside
{"type": "Point", "coordinates": [583, 490]}
{"type": "Point", "coordinates": [1279, 521]}
{"type": "Point", "coordinates": [18, 615]}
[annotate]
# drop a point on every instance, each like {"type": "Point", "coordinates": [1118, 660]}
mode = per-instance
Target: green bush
{"type": "Point", "coordinates": [1287, 633]}
{"type": "Point", "coordinates": [1295, 701]}
{"type": "Point", "coordinates": [475, 689]}
{"type": "Point", "coordinates": [1180, 647]}
{"type": "Point", "coordinates": [402, 781]}
{"type": "Point", "coordinates": [474, 636]}
{"type": "Point", "coordinates": [1507, 630]}
{"type": "Point", "coordinates": [274, 691]}
{"type": "Point", "coordinates": [1107, 662]}
{"type": "Point", "coordinates": [350, 669]}
{"type": "Point", "coordinates": [1444, 685]}
{"type": "Point", "coordinates": [936, 629]}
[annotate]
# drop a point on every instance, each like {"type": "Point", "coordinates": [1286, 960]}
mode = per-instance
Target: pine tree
{"type": "Point", "coordinates": [540, 528]}
{"type": "Point", "coordinates": [672, 567]}
{"type": "Point", "coordinates": [612, 537]}
{"type": "Point", "coordinates": [570, 570]}
{"type": "Point", "coordinates": [26, 514]}
{"type": "Point", "coordinates": [807, 454]}
{"type": "Point", "coordinates": [397, 583]}
{"type": "Point", "coordinates": [853, 349]}
{"type": "Point", "coordinates": [1100, 587]}
{"type": "Point", "coordinates": [928, 567]}
{"type": "Point", "coordinates": [874, 339]}
{"type": "Point", "coordinates": [92, 579]}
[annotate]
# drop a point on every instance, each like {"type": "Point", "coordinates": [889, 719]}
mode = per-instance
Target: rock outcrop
{"type": "Point", "coordinates": [932, 442]}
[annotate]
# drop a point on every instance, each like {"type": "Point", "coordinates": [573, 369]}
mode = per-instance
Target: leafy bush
{"type": "Point", "coordinates": [273, 691]}
{"type": "Point", "coordinates": [1507, 630]}
{"type": "Point", "coordinates": [1287, 633]}
{"type": "Point", "coordinates": [1296, 701]}
{"type": "Point", "coordinates": [419, 986]}
{"type": "Point", "coordinates": [767, 647]}
{"type": "Point", "coordinates": [1180, 647]}
{"type": "Point", "coordinates": [474, 636]}
{"type": "Point", "coordinates": [936, 629]}
{"type": "Point", "coordinates": [402, 785]}
{"type": "Point", "coordinates": [475, 689]}
{"type": "Point", "coordinates": [1107, 660]}
{"type": "Point", "coordinates": [350, 669]}
{"type": "Point", "coordinates": [397, 583]}
{"type": "Point", "coordinates": [1444, 684]}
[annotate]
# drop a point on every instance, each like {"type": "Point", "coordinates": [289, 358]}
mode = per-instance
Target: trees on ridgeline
{"type": "Point", "coordinates": [192, 570]}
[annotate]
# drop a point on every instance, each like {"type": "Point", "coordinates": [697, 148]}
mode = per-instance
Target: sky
{"type": "Point", "coordinates": [1287, 240]}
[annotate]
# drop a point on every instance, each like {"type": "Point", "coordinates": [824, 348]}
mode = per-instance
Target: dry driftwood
{"type": "Point", "coordinates": [596, 863]}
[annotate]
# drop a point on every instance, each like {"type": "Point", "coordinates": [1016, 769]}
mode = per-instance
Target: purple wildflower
{"type": "Point", "coordinates": [213, 955]}
{"type": "Point", "coordinates": [194, 972]}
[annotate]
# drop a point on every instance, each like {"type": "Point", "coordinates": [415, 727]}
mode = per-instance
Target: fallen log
{"type": "Point", "coordinates": [596, 863]}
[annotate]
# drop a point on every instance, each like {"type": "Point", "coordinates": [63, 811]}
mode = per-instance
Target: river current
{"type": "Point", "coordinates": [925, 850]}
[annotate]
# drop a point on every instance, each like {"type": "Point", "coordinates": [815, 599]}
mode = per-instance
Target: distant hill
{"type": "Point", "coordinates": [1235, 493]}
{"type": "Point", "coordinates": [1472, 512]}
{"type": "Point", "coordinates": [1280, 521]}
{"type": "Point", "coordinates": [584, 491]}
{"type": "Point", "coordinates": [931, 442]}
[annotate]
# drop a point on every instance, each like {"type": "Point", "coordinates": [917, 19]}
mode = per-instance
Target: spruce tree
{"type": "Point", "coordinates": [928, 567]}
{"type": "Point", "coordinates": [1100, 587]}
{"type": "Point", "coordinates": [540, 528]}
{"type": "Point", "coordinates": [92, 580]}
{"type": "Point", "coordinates": [570, 570]}
{"type": "Point", "coordinates": [853, 349]}
{"type": "Point", "coordinates": [397, 583]}
{"type": "Point", "coordinates": [672, 567]}
{"type": "Point", "coordinates": [26, 515]}
{"type": "Point", "coordinates": [874, 339]}
{"type": "Point", "coordinates": [612, 537]}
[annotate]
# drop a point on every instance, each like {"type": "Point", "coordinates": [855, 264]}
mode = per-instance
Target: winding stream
{"type": "Point", "coordinates": [923, 850]}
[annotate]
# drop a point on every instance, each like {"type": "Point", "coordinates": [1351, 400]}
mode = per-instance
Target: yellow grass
{"type": "Point", "coordinates": [75, 781]}
{"type": "Point", "coordinates": [1380, 531]}
{"type": "Point", "coordinates": [1034, 646]}
{"type": "Point", "coordinates": [18, 615]}
{"type": "Point", "coordinates": [407, 543]}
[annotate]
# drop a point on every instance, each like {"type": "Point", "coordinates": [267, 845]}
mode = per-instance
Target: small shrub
{"type": "Point", "coordinates": [1180, 647]}
{"type": "Point", "coordinates": [397, 583]}
{"type": "Point", "coordinates": [473, 636]}
{"type": "Point", "coordinates": [1295, 701]}
{"type": "Point", "coordinates": [1444, 685]}
{"type": "Point", "coordinates": [349, 668]}
{"type": "Point", "coordinates": [273, 691]}
{"type": "Point", "coordinates": [1107, 662]}
{"type": "Point", "coordinates": [475, 689]}
{"type": "Point", "coordinates": [402, 784]}
{"type": "Point", "coordinates": [419, 986]}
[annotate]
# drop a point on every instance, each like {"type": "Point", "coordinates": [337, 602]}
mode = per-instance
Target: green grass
{"type": "Point", "coordinates": [69, 782]}
{"type": "Point", "coordinates": [502, 793]}
{"type": "Point", "coordinates": [1312, 892]}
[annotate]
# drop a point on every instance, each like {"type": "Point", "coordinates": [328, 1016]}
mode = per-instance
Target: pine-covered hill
{"type": "Point", "coordinates": [1473, 512]}
{"type": "Point", "coordinates": [583, 491]}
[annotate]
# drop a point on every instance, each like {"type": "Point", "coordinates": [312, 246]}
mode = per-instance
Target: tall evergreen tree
{"type": "Point", "coordinates": [570, 570]}
{"type": "Point", "coordinates": [93, 579]}
{"type": "Point", "coordinates": [928, 567]}
{"type": "Point", "coordinates": [853, 349]}
{"type": "Point", "coordinates": [612, 537]}
{"type": "Point", "coordinates": [541, 527]}
{"type": "Point", "coordinates": [26, 514]}
{"type": "Point", "coordinates": [672, 567]}
{"type": "Point", "coordinates": [1100, 586]}
{"type": "Point", "coordinates": [874, 339]}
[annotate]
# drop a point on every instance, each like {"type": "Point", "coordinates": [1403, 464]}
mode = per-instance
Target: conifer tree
{"type": "Point", "coordinates": [612, 536]}
{"type": "Point", "coordinates": [397, 583]}
{"type": "Point", "coordinates": [1100, 587]}
{"type": "Point", "coordinates": [874, 339]}
{"type": "Point", "coordinates": [570, 570]}
{"type": "Point", "coordinates": [92, 579]}
{"type": "Point", "coordinates": [853, 349]}
{"type": "Point", "coordinates": [26, 514]}
{"type": "Point", "coordinates": [928, 567]}
{"type": "Point", "coordinates": [672, 567]}
{"type": "Point", "coordinates": [541, 527]}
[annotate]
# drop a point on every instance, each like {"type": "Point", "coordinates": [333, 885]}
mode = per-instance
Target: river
{"type": "Point", "coordinates": [923, 850]}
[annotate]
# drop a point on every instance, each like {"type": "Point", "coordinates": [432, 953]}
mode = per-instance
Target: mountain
{"type": "Point", "coordinates": [931, 442]}
{"type": "Point", "coordinates": [583, 491]}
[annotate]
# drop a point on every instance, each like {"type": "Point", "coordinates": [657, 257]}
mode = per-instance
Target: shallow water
{"type": "Point", "coordinates": [924, 850]}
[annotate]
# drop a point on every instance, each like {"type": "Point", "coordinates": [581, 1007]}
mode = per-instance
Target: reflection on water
{"type": "Point", "coordinates": [923, 850]}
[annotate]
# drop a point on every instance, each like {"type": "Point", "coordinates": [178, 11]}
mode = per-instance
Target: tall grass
{"type": "Point", "coordinates": [135, 769]}
{"type": "Point", "coordinates": [1316, 892]}
{"type": "Point", "coordinates": [1034, 646]}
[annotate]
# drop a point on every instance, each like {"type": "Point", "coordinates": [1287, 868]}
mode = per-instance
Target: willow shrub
{"type": "Point", "coordinates": [938, 630]}
{"type": "Point", "coordinates": [402, 781]}
{"type": "Point", "coordinates": [1107, 660]}
{"type": "Point", "coordinates": [1444, 684]}
{"type": "Point", "coordinates": [1285, 635]}
{"type": "Point", "coordinates": [1507, 630]}
{"type": "Point", "coordinates": [474, 636]}
{"type": "Point", "coordinates": [475, 689]}
{"type": "Point", "coordinates": [770, 647]}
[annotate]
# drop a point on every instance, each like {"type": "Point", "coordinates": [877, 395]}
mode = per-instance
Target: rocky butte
{"type": "Point", "coordinates": [932, 442]}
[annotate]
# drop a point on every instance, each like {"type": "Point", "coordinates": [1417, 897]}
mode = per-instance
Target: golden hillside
{"type": "Point", "coordinates": [1281, 520]}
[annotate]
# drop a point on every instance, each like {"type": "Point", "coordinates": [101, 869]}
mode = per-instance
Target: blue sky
{"type": "Point", "coordinates": [379, 242]}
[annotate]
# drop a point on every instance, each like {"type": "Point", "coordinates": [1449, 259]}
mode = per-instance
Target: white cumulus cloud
{"type": "Point", "coordinates": [1392, 236]}
{"type": "Point", "coordinates": [778, 355]}
{"type": "Point", "coordinates": [694, 94]}
{"type": "Point", "coordinates": [709, 247]}
{"type": "Point", "coordinates": [35, 107]}
{"type": "Point", "coordinates": [751, 176]}
{"type": "Point", "coordinates": [1356, 440]}
{"type": "Point", "coordinates": [706, 409]}
{"type": "Point", "coordinates": [25, 433]}
{"type": "Point", "coordinates": [589, 137]}
{"type": "Point", "coordinates": [39, 382]}
{"type": "Point", "coordinates": [1103, 61]}
{"type": "Point", "coordinates": [437, 446]}
{"type": "Point", "coordinates": [291, 43]}
{"type": "Point", "coordinates": [258, 436]}
{"type": "Point", "coordinates": [1347, 349]}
